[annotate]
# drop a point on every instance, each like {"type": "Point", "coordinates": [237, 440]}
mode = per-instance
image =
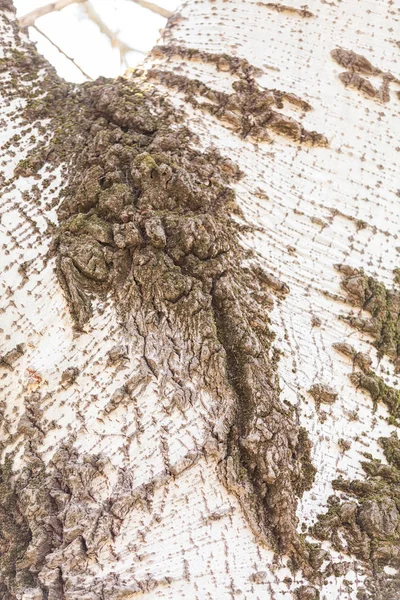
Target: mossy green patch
{"type": "Point", "coordinates": [378, 390]}
{"type": "Point", "coordinates": [365, 520]}
{"type": "Point", "coordinates": [381, 303]}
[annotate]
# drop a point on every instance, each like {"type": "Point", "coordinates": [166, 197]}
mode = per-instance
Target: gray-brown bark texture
{"type": "Point", "coordinates": [161, 306]}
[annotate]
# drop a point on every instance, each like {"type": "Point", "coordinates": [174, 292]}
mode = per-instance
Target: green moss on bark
{"type": "Point", "coordinates": [364, 521]}
{"type": "Point", "coordinates": [383, 306]}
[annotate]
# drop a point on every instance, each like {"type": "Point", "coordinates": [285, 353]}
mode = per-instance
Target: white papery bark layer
{"type": "Point", "coordinates": [191, 539]}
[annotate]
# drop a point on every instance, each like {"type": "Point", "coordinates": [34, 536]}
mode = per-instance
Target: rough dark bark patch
{"type": "Point", "coordinates": [250, 110]}
{"type": "Point", "coordinates": [222, 62]}
{"type": "Point", "coordinates": [15, 534]}
{"type": "Point", "coordinates": [357, 65]}
{"type": "Point", "coordinates": [152, 221]}
{"type": "Point", "coordinates": [7, 5]}
{"type": "Point", "coordinates": [366, 379]}
{"type": "Point", "coordinates": [290, 10]}
{"type": "Point", "coordinates": [382, 304]}
{"type": "Point", "coordinates": [363, 517]}
{"type": "Point", "coordinates": [364, 521]}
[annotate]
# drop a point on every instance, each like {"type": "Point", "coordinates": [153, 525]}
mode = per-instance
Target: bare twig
{"type": "Point", "coordinates": [154, 8]}
{"type": "Point", "coordinates": [62, 52]}
{"type": "Point", "coordinates": [112, 36]}
{"type": "Point", "coordinates": [29, 19]}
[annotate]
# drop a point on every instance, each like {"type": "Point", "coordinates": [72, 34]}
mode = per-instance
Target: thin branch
{"type": "Point", "coordinates": [154, 8]}
{"type": "Point", "coordinates": [29, 19]}
{"type": "Point", "coordinates": [62, 51]}
{"type": "Point", "coordinates": [112, 36]}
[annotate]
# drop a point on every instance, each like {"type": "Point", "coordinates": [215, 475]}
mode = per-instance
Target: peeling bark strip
{"type": "Point", "coordinates": [151, 220]}
{"type": "Point", "coordinates": [364, 521]}
{"type": "Point", "coordinates": [250, 110]}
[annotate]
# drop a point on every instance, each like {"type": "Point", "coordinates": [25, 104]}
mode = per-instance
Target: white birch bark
{"type": "Point", "coordinates": [170, 528]}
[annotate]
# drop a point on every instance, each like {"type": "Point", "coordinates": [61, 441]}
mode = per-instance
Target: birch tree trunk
{"type": "Point", "coordinates": [200, 312]}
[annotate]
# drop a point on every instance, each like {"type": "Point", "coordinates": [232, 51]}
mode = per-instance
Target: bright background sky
{"type": "Point", "coordinates": [80, 38]}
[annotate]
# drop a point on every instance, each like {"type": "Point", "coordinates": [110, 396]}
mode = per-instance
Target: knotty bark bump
{"type": "Point", "coordinates": [148, 219]}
